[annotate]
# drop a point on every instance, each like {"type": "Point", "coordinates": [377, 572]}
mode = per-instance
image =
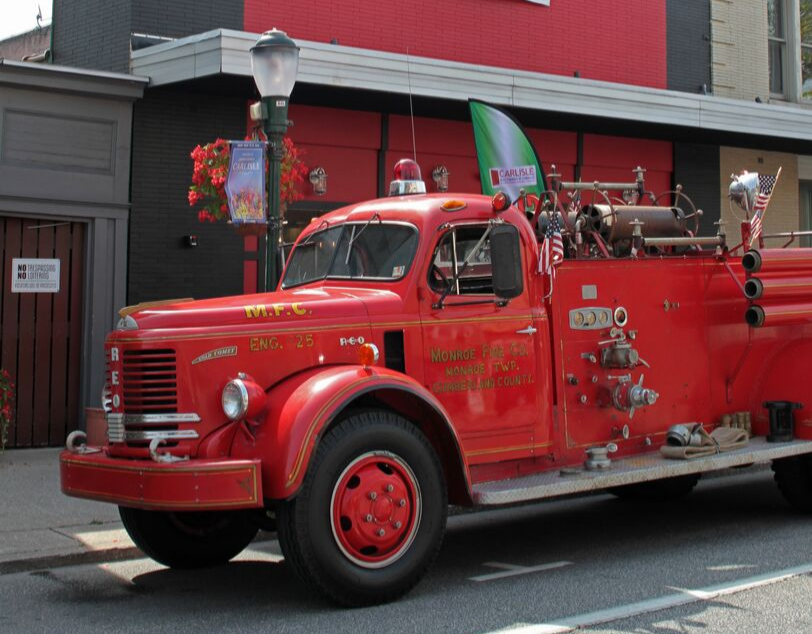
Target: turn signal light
{"type": "Point", "coordinates": [500, 202]}
{"type": "Point", "coordinates": [368, 355]}
{"type": "Point", "coordinates": [453, 205]}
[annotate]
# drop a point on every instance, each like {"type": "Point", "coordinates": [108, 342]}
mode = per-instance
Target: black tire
{"type": "Point", "coordinates": [189, 539]}
{"type": "Point", "coordinates": [666, 490]}
{"type": "Point", "coordinates": [363, 454]}
{"type": "Point", "coordinates": [794, 479]}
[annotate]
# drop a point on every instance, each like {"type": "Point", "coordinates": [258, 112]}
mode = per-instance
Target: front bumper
{"type": "Point", "coordinates": [193, 485]}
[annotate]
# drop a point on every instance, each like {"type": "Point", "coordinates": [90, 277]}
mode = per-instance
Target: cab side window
{"type": "Point", "coordinates": [458, 245]}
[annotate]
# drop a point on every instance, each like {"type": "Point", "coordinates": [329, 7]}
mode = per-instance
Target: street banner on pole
{"type": "Point", "coordinates": [245, 184]}
{"type": "Point", "coordinates": [507, 159]}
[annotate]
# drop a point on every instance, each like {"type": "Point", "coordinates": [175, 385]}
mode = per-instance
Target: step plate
{"type": "Point", "coordinates": [629, 471]}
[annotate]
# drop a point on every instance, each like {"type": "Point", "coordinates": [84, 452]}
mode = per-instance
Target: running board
{"type": "Point", "coordinates": [629, 471]}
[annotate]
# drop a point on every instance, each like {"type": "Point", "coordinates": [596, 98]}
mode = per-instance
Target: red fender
{"type": "Point", "coordinates": [299, 410]}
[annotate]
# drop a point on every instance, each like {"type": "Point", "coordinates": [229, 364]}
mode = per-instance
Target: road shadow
{"type": "Point", "coordinates": [620, 552]}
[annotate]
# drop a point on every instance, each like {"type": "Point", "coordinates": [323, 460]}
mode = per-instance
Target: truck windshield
{"type": "Point", "coordinates": [363, 250]}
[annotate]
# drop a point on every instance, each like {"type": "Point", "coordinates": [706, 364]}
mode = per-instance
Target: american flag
{"type": "Point", "coordinates": [552, 249]}
{"type": "Point", "coordinates": [765, 190]}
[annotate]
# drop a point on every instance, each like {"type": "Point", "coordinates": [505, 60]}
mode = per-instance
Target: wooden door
{"type": "Point", "coordinates": [41, 333]}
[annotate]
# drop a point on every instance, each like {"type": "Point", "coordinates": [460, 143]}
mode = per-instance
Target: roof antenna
{"type": "Point", "coordinates": [411, 107]}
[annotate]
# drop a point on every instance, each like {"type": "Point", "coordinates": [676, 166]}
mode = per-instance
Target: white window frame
{"type": "Point", "coordinates": [799, 46]}
{"type": "Point", "coordinates": [793, 60]}
{"type": "Point", "coordinates": [786, 76]}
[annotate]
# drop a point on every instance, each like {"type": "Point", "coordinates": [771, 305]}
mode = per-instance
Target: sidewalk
{"type": "Point", "coordinates": [38, 522]}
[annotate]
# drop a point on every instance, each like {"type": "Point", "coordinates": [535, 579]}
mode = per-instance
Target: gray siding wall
{"type": "Point", "coordinates": [65, 156]}
{"type": "Point", "coordinates": [167, 126]}
{"type": "Point", "coordinates": [688, 46]}
{"type": "Point", "coordinates": [696, 168]}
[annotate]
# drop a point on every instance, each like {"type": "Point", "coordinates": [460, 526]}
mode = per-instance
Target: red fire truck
{"type": "Point", "coordinates": [419, 352]}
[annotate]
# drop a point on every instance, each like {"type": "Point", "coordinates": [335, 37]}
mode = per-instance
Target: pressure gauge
{"type": "Point", "coordinates": [590, 318]}
{"type": "Point", "coordinates": [578, 318]}
{"type": "Point", "coordinates": [603, 317]}
{"type": "Point", "coordinates": [621, 316]}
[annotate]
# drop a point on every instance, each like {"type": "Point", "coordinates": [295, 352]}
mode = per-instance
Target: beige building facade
{"type": "Point", "coordinates": [739, 51]}
{"type": "Point", "coordinates": [757, 55]}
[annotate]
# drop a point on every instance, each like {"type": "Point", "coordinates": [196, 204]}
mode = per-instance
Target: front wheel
{"type": "Point", "coordinates": [189, 539]}
{"type": "Point", "coordinates": [370, 516]}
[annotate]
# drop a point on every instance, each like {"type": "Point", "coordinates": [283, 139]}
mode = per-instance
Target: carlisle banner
{"type": "Point", "coordinates": [507, 159]}
{"type": "Point", "coordinates": [245, 185]}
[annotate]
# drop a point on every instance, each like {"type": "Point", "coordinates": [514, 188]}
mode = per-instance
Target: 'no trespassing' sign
{"type": "Point", "coordinates": [34, 275]}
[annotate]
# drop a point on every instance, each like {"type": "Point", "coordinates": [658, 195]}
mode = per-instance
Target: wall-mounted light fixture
{"type": "Point", "coordinates": [440, 177]}
{"type": "Point", "coordinates": [318, 178]}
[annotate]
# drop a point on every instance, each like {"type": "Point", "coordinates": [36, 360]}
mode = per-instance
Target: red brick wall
{"type": "Point", "coordinates": [621, 41]}
{"type": "Point", "coordinates": [346, 143]}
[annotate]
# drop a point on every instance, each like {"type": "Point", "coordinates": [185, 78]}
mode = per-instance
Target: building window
{"type": "Point", "coordinates": [805, 195]}
{"type": "Point", "coordinates": [777, 42]}
{"type": "Point", "coordinates": [806, 48]}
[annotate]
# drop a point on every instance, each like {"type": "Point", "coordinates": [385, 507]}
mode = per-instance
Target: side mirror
{"type": "Point", "coordinates": [506, 261]}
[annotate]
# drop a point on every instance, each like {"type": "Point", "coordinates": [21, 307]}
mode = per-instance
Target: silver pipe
{"type": "Point", "coordinates": [683, 241]}
{"type": "Point", "coordinates": [597, 185]}
{"type": "Point", "coordinates": [787, 234]}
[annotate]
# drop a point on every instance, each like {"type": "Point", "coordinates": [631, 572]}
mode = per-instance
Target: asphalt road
{"type": "Point", "coordinates": [732, 557]}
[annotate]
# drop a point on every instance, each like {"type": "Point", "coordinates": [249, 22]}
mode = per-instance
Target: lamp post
{"type": "Point", "coordinates": [274, 63]}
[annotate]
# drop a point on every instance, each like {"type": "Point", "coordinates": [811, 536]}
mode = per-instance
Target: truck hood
{"type": "Point", "coordinates": [296, 306]}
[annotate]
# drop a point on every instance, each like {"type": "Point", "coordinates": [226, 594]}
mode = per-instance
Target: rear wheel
{"type": "Point", "coordinates": [189, 539]}
{"type": "Point", "coordinates": [665, 490]}
{"type": "Point", "coordinates": [794, 479]}
{"type": "Point", "coordinates": [370, 516]}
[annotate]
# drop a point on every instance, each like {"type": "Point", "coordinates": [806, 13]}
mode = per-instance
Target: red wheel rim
{"type": "Point", "coordinates": [375, 509]}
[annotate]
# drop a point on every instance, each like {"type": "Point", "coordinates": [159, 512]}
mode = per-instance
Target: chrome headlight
{"type": "Point", "coordinates": [235, 399]}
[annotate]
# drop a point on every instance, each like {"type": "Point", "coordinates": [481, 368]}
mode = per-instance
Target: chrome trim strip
{"type": "Point", "coordinates": [180, 434]}
{"type": "Point", "coordinates": [155, 419]}
{"type": "Point", "coordinates": [115, 427]}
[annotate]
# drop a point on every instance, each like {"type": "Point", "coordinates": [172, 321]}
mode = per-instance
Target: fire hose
{"type": "Point", "coordinates": [699, 443]}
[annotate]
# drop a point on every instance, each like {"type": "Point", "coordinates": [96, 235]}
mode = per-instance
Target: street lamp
{"type": "Point", "coordinates": [274, 63]}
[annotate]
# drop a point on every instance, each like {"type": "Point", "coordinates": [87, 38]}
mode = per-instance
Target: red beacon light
{"type": "Point", "coordinates": [500, 202]}
{"type": "Point", "coordinates": [407, 179]}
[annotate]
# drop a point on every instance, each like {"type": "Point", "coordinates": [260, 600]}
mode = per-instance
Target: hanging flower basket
{"type": "Point", "coordinates": [209, 180]}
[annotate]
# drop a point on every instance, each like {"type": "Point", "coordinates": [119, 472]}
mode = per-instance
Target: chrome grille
{"type": "Point", "coordinates": [149, 398]}
{"type": "Point", "coordinates": [150, 382]}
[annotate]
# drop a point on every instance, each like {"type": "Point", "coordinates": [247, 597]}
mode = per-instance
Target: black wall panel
{"type": "Point", "coordinates": [696, 168]}
{"type": "Point", "coordinates": [167, 126]}
{"type": "Point", "coordinates": [96, 33]}
{"type": "Point", "coordinates": [689, 46]}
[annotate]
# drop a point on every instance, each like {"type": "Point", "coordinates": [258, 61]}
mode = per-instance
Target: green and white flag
{"type": "Point", "coordinates": [507, 159]}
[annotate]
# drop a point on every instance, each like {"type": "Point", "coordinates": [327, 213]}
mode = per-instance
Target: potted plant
{"type": "Point", "coordinates": [6, 398]}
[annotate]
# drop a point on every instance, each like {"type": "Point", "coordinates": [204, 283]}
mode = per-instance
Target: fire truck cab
{"type": "Point", "coordinates": [418, 352]}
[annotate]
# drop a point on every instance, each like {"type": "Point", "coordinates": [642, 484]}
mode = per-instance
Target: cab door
{"type": "Point", "coordinates": [480, 354]}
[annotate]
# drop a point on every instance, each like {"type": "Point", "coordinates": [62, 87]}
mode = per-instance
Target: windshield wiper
{"type": "Point", "coordinates": [355, 236]}
{"type": "Point", "coordinates": [453, 281]}
{"type": "Point", "coordinates": [323, 223]}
